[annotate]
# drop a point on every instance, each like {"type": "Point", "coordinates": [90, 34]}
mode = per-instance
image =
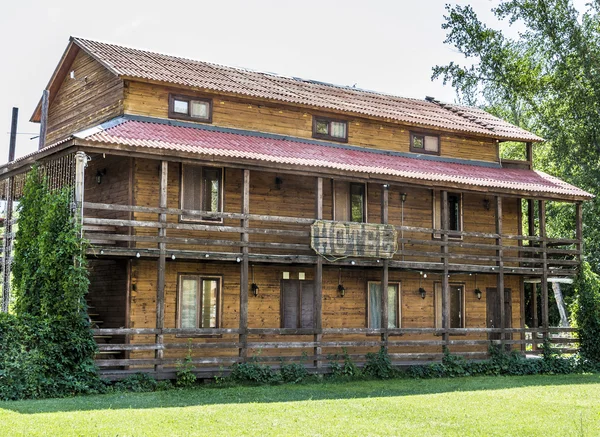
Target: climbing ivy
{"type": "Point", "coordinates": [46, 345]}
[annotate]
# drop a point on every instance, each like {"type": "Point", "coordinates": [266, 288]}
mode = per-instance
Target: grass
{"type": "Point", "coordinates": [485, 406]}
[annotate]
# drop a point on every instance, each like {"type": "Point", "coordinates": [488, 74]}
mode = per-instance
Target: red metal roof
{"type": "Point", "coordinates": [144, 65]}
{"type": "Point", "coordinates": [280, 150]}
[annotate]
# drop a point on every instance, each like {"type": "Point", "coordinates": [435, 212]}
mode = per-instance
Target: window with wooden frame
{"type": "Point", "coordinates": [198, 301]}
{"type": "Point", "coordinates": [190, 108]}
{"type": "Point", "coordinates": [328, 129]}
{"type": "Point", "coordinates": [201, 190]}
{"type": "Point", "coordinates": [457, 305]}
{"type": "Point", "coordinates": [350, 202]}
{"type": "Point", "coordinates": [424, 143]}
{"type": "Point", "coordinates": [374, 302]}
{"type": "Point", "coordinates": [297, 303]}
{"type": "Point", "coordinates": [455, 213]}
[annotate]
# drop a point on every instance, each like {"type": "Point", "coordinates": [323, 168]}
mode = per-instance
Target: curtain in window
{"type": "Point", "coordinates": [189, 309]}
{"type": "Point", "coordinates": [199, 109]}
{"type": "Point", "coordinates": [375, 305]}
{"type": "Point", "coordinates": [209, 303]}
{"type": "Point", "coordinates": [338, 129]}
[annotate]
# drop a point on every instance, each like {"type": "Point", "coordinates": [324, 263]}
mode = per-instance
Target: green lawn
{"type": "Point", "coordinates": [532, 405]}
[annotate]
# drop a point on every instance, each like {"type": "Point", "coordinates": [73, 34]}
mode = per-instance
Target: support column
{"type": "Point", "coordinates": [243, 336]}
{"type": "Point", "coordinates": [534, 294]}
{"type": "Point", "coordinates": [162, 255]}
{"type": "Point", "coordinates": [544, 283]}
{"type": "Point", "coordinates": [385, 270]}
{"type": "Point", "coordinates": [318, 299]}
{"type": "Point", "coordinates": [500, 265]}
{"type": "Point", "coordinates": [445, 219]}
{"type": "Point", "coordinates": [8, 225]}
{"type": "Point", "coordinates": [529, 154]}
{"type": "Point", "coordinates": [579, 231]}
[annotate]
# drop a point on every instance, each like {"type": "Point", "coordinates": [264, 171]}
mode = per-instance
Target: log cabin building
{"type": "Point", "coordinates": [241, 215]}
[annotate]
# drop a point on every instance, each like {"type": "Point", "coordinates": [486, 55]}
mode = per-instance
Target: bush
{"type": "Point", "coordinates": [379, 365]}
{"type": "Point", "coordinates": [185, 372]}
{"type": "Point", "coordinates": [293, 372]}
{"type": "Point", "coordinates": [254, 372]}
{"type": "Point", "coordinates": [347, 369]}
{"type": "Point", "coordinates": [46, 357]}
{"type": "Point", "coordinates": [587, 313]}
{"type": "Point", "coordinates": [138, 383]}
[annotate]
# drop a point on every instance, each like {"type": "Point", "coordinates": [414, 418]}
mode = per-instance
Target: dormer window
{"type": "Point", "coordinates": [190, 108]}
{"type": "Point", "coordinates": [422, 143]}
{"type": "Point", "coordinates": [327, 129]}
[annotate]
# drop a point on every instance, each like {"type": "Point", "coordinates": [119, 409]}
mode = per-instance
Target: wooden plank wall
{"type": "Point", "coordinates": [108, 291]}
{"type": "Point", "coordinates": [80, 103]}
{"type": "Point", "coordinates": [251, 114]}
{"type": "Point", "coordinates": [349, 311]}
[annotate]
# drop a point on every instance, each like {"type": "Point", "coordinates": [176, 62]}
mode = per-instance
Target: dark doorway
{"type": "Point", "coordinates": [493, 311]}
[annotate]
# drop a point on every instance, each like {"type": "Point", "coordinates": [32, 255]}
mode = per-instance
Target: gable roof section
{"type": "Point", "coordinates": [129, 63]}
{"type": "Point", "coordinates": [209, 142]}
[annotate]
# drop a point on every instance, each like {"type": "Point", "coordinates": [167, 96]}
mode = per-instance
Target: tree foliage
{"type": "Point", "coordinates": [545, 80]}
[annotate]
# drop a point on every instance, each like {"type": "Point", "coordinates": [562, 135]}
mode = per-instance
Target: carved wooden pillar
{"type": "Point", "coordinates": [445, 219]}
{"type": "Point", "coordinates": [243, 336]}
{"type": "Point", "coordinates": [318, 300]}
{"type": "Point", "coordinates": [162, 255]}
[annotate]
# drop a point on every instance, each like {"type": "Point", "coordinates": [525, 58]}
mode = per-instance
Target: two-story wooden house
{"type": "Point", "coordinates": [242, 214]}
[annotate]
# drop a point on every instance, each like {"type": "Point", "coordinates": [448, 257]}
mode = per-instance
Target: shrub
{"type": "Point", "coordinates": [346, 369]}
{"type": "Point", "coordinates": [46, 357]}
{"type": "Point", "coordinates": [587, 313]}
{"type": "Point", "coordinates": [138, 383]}
{"type": "Point", "coordinates": [185, 372]}
{"type": "Point", "coordinates": [293, 372]}
{"type": "Point", "coordinates": [379, 365]}
{"type": "Point", "coordinates": [254, 372]}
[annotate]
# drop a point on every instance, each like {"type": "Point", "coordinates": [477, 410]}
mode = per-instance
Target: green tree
{"type": "Point", "coordinates": [546, 80]}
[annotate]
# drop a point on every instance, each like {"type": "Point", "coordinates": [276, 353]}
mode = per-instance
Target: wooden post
{"type": "Point", "coordinates": [80, 164]}
{"type": "Point", "coordinates": [44, 119]}
{"type": "Point", "coordinates": [529, 154]}
{"type": "Point", "coordinates": [162, 249]}
{"type": "Point", "coordinates": [531, 233]}
{"type": "Point", "coordinates": [500, 265]}
{"type": "Point", "coordinates": [318, 300]}
{"type": "Point", "coordinates": [385, 270]}
{"type": "Point", "coordinates": [445, 281]}
{"type": "Point", "coordinates": [8, 225]}
{"type": "Point", "coordinates": [544, 283]}
{"type": "Point", "coordinates": [579, 230]}
{"type": "Point", "coordinates": [243, 336]}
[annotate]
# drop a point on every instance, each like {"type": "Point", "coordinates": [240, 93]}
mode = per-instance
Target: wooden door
{"type": "Point", "coordinates": [297, 303]}
{"type": "Point", "coordinates": [493, 310]}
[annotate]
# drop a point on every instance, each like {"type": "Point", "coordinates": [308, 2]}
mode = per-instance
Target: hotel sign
{"type": "Point", "coordinates": [348, 239]}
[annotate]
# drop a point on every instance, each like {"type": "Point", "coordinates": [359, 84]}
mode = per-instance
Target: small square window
{"type": "Point", "coordinates": [421, 143]}
{"type": "Point", "coordinates": [180, 106]}
{"type": "Point", "coordinates": [327, 129]}
{"type": "Point", "coordinates": [190, 108]}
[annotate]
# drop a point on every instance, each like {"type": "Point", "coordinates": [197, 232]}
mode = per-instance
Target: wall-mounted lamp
{"type": "Point", "coordinates": [254, 287]}
{"type": "Point", "coordinates": [99, 175]}
{"type": "Point", "coordinates": [403, 197]}
{"type": "Point", "coordinates": [386, 186]}
{"type": "Point", "coordinates": [422, 291]}
{"type": "Point", "coordinates": [340, 288]}
{"type": "Point", "coordinates": [486, 204]}
{"type": "Point", "coordinates": [477, 290]}
{"type": "Point", "coordinates": [278, 182]}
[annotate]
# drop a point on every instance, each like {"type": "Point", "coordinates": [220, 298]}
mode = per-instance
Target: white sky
{"type": "Point", "coordinates": [388, 46]}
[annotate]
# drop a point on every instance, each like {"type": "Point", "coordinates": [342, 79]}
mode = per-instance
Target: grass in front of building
{"type": "Point", "coordinates": [486, 406]}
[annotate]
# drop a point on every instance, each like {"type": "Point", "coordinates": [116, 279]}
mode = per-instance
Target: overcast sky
{"type": "Point", "coordinates": [387, 46]}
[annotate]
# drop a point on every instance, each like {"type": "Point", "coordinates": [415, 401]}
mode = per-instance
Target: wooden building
{"type": "Point", "coordinates": [248, 215]}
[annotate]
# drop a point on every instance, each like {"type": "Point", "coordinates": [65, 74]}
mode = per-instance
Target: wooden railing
{"type": "Point", "coordinates": [286, 239]}
{"type": "Point", "coordinates": [273, 346]}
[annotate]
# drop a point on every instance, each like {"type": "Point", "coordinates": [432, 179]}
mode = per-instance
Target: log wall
{"type": "Point", "coordinates": [152, 100]}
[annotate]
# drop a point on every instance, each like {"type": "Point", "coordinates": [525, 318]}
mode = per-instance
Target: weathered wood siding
{"type": "Point", "coordinates": [79, 104]}
{"type": "Point", "coordinates": [152, 100]}
{"type": "Point", "coordinates": [349, 311]}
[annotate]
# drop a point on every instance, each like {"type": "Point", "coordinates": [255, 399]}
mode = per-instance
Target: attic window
{"type": "Point", "coordinates": [422, 143]}
{"type": "Point", "coordinates": [327, 129]}
{"type": "Point", "coordinates": [190, 108]}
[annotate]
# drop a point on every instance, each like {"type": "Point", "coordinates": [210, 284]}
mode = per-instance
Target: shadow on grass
{"type": "Point", "coordinates": [326, 390]}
